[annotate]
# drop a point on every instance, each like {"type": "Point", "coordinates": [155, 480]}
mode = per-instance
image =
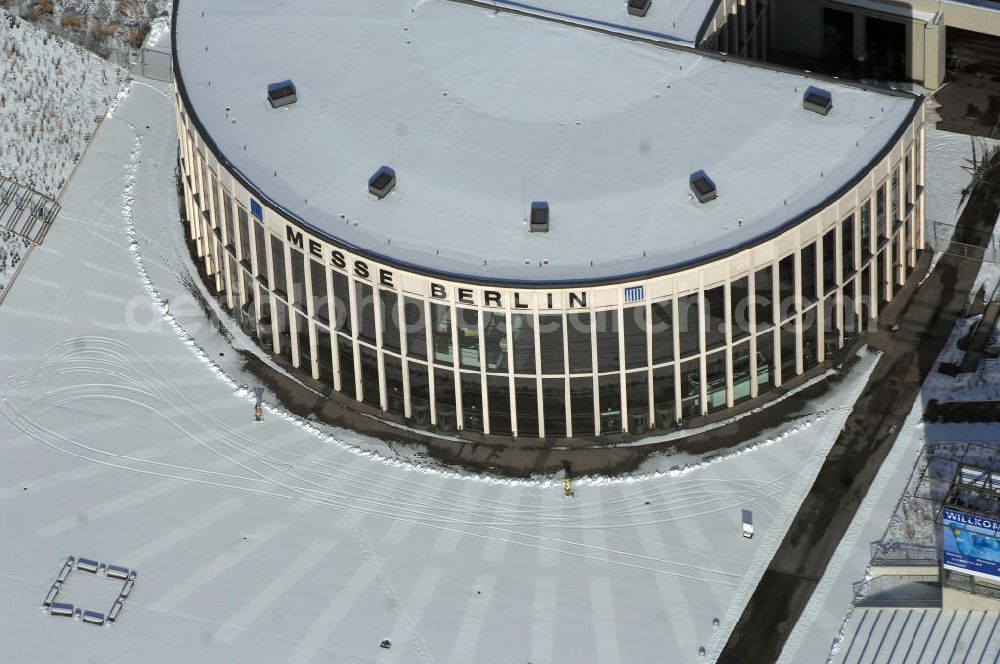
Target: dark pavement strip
{"type": "Point", "coordinates": [858, 453]}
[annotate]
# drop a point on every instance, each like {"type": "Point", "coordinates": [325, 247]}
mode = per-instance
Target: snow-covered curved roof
{"type": "Point", "coordinates": [481, 113]}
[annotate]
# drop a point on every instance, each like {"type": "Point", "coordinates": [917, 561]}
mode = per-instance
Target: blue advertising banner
{"type": "Point", "coordinates": [971, 544]}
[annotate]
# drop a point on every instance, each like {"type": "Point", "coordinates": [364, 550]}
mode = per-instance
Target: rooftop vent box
{"type": "Point", "coordinates": [639, 7]}
{"type": "Point", "coordinates": [281, 94]}
{"type": "Point", "coordinates": [817, 100]}
{"type": "Point", "coordinates": [703, 187]}
{"type": "Point", "coordinates": [382, 182]}
{"type": "Point", "coordinates": [539, 217]}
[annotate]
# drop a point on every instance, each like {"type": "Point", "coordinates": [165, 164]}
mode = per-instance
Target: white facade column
{"type": "Point", "coordinates": [919, 174]}
{"type": "Point", "coordinates": [678, 406]}
{"type": "Point", "coordinates": [934, 52]}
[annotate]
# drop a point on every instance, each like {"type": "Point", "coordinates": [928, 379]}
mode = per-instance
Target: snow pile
{"type": "Point", "coordinates": [12, 249]}
{"type": "Point", "coordinates": [159, 32]}
{"type": "Point", "coordinates": [52, 95]}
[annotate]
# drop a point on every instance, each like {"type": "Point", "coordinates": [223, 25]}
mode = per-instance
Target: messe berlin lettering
{"type": "Point", "coordinates": [438, 291]}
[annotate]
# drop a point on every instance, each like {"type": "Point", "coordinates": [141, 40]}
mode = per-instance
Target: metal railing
{"type": "Point", "coordinates": [154, 63]}
{"type": "Point", "coordinates": [873, 592]}
{"type": "Point", "coordinates": [940, 237]}
{"type": "Point", "coordinates": [896, 554]}
{"type": "Point", "coordinates": [964, 583]}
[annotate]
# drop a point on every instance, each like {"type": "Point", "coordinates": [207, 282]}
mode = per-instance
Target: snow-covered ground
{"type": "Point", "coordinates": [111, 28]}
{"type": "Point", "coordinates": [983, 384]}
{"type": "Point", "coordinates": [989, 272]}
{"type": "Point", "coordinates": [124, 436]}
{"type": "Point", "coordinates": [52, 96]}
{"type": "Point", "coordinates": [948, 173]}
{"type": "Point", "coordinates": [121, 440]}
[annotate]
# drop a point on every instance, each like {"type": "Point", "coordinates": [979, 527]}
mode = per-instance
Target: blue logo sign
{"type": "Point", "coordinates": [256, 210]}
{"type": "Point", "coordinates": [971, 544]}
{"type": "Point", "coordinates": [634, 294]}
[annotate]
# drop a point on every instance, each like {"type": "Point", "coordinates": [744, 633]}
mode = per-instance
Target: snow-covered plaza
{"type": "Point", "coordinates": [128, 442]}
{"type": "Point", "coordinates": [270, 541]}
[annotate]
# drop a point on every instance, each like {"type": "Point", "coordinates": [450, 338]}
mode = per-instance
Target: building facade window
{"type": "Point", "coordinates": [582, 361]}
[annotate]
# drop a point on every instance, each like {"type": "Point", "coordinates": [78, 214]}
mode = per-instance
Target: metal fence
{"type": "Point", "coordinates": [968, 584]}
{"type": "Point", "coordinates": [25, 212]}
{"type": "Point", "coordinates": [940, 237]}
{"type": "Point", "coordinates": [155, 64]}
{"type": "Point", "coordinates": [903, 554]}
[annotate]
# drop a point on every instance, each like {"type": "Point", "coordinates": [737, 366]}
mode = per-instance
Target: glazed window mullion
{"type": "Point", "coordinates": [728, 331]}
{"type": "Point", "coordinates": [331, 316]}
{"type": "Point", "coordinates": [623, 391]}
{"type": "Point", "coordinates": [404, 353]}
{"type": "Point", "coordinates": [751, 312]}
{"type": "Point", "coordinates": [378, 314]}
{"type": "Point", "coordinates": [695, 362]}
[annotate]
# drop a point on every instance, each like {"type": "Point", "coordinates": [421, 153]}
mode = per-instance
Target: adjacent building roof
{"type": "Point", "coordinates": [480, 113]}
{"type": "Point", "coordinates": [677, 21]}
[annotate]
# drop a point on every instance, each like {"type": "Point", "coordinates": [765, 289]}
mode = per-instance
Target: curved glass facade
{"type": "Point", "coordinates": [539, 362]}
